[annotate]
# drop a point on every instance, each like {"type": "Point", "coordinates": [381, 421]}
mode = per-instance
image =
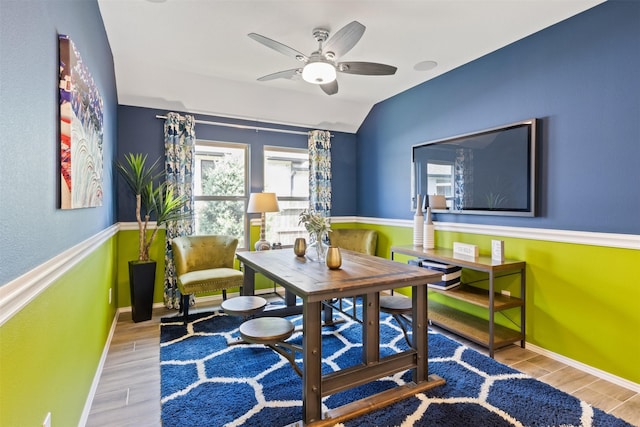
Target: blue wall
{"type": "Point", "coordinates": [141, 131]}
{"type": "Point", "coordinates": [581, 77]}
{"type": "Point", "coordinates": [32, 228]}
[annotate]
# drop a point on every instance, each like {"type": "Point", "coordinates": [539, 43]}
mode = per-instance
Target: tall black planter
{"type": "Point", "coordinates": [142, 277]}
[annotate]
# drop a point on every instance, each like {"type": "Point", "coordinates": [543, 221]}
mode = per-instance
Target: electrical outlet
{"type": "Point", "coordinates": [47, 420]}
{"type": "Point", "coordinates": [110, 289]}
{"type": "Point", "coordinates": [505, 293]}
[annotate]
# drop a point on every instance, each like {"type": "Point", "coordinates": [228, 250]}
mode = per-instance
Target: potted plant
{"type": "Point", "coordinates": [318, 227]}
{"type": "Point", "coordinates": [155, 199]}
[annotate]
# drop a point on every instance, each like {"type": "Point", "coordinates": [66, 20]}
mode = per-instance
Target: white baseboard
{"type": "Point", "coordinates": [585, 368]}
{"type": "Point", "coordinates": [96, 377]}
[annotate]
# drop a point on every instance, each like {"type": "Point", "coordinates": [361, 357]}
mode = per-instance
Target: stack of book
{"type": "Point", "coordinates": [451, 274]}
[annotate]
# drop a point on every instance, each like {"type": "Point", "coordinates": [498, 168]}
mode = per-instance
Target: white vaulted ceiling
{"type": "Point", "coordinates": [195, 55]}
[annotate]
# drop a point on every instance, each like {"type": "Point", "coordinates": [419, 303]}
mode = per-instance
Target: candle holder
{"type": "Point", "coordinates": [300, 247]}
{"type": "Point", "coordinates": [334, 259]}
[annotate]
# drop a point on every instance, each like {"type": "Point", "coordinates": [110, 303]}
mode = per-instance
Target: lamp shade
{"type": "Point", "coordinates": [263, 202]}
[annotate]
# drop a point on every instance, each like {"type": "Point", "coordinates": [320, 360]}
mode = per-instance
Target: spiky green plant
{"type": "Point", "coordinates": [152, 200]}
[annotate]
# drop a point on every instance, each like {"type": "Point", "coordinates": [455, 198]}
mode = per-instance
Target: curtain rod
{"type": "Point", "coordinates": [256, 128]}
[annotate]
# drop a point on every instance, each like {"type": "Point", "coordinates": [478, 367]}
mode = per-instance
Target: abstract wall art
{"type": "Point", "coordinates": [81, 128]}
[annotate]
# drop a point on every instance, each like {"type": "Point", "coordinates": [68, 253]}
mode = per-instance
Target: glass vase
{"type": "Point", "coordinates": [317, 249]}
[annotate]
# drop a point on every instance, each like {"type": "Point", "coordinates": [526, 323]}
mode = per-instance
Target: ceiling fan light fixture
{"type": "Point", "coordinates": [319, 72]}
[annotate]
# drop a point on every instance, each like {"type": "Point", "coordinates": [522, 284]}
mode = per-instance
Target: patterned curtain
{"type": "Point", "coordinates": [179, 139]}
{"type": "Point", "coordinates": [320, 172]}
{"type": "Point", "coordinates": [463, 179]}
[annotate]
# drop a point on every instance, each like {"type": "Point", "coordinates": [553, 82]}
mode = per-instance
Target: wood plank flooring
{"type": "Point", "coordinates": [128, 393]}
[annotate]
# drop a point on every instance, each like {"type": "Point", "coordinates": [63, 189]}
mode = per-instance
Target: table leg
{"type": "Point", "coordinates": [371, 328]}
{"type": "Point", "coordinates": [248, 283]}
{"type": "Point", "coordinates": [419, 332]}
{"type": "Point", "coordinates": [289, 298]}
{"type": "Point", "coordinates": [312, 361]}
{"type": "Point", "coordinates": [491, 315]}
{"type": "Point", "coordinates": [523, 291]}
{"type": "Point", "coordinates": [327, 311]}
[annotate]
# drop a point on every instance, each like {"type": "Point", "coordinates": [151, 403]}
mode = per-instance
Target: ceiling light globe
{"type": "Point", "coordinates": [319, 72]}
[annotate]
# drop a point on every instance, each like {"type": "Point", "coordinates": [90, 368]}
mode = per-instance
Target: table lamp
{"type": "Point", "coordinates": [262, 203]}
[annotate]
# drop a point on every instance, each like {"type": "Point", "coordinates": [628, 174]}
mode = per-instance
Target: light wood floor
{"type": "Point", "coordinates": [128, 393]}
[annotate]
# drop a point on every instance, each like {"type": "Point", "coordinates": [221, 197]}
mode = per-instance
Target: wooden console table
{"type": "Point", "coordinates": [484, 332]}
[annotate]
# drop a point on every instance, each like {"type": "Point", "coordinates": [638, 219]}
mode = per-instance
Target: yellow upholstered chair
{"type": "Point", "coordinates": [355, 239]}
{"type": "Point", "coordinates": [205, 264]}
{"type": "Point", "coordinates": [366, 241]}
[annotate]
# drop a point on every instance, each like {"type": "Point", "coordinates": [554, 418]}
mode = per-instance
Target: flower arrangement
{"type": "Point", "coordinates": [317, 226]}
{"type": "Point", "coordinates": [315, 223]}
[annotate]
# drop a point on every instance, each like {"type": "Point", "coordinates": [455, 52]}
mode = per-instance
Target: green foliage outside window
{"type": "Point", "coordinates": [224, 177]}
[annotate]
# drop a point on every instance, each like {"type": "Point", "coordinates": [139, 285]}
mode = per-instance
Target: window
{"type": "Point", "coordinates": [440, 180]}
{"type": "Point", "coordinates": [220, 189]}
{"type": "Point", "coordinates": [286, 173]}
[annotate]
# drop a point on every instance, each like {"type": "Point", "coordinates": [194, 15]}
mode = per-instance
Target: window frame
{"type": "Point", "coordinates": [244, 198]}
{"type": "Point", "coordinates": [449, 182]}
{"type": "Point", "coordinates": [283, 149]}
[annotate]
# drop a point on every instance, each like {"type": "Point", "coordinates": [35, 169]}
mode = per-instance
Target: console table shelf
{"type": "Point", "coordinates": [480, 297]}
{"type": "Point", "coordinates": [484, 332]}
{"type": "Point", "coordinates": [470, 327]}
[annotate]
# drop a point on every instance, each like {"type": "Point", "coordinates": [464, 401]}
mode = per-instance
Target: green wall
{"type": "Point", "coordinates": [51, 348]}
{"type": "Point", "coordinates": [582, 301]}
{"type": "Point", "coordinates": [128, 250]}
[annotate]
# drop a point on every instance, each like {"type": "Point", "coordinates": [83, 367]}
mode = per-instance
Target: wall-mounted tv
{"type": "Point", "coordinates": [491, 172]}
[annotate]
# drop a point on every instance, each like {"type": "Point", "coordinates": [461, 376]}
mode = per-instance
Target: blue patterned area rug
{"type": "Point", "coordinates": [207, 383]}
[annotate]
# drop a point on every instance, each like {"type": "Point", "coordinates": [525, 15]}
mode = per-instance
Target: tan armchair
{"type": "Point", "coordinates": [355, 239]}
{"type": "Point", "coordinates": [205, 264]}
{"type": "Point", "coordinates": [352, 239]}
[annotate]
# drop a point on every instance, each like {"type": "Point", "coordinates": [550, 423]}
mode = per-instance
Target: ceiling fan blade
{"type": "Point", "coordinates": [286, 74]}
{"type": "Point", "coordinates": [277, 46]}
{"type": "Point", "coordinates": [330, 88]}
{"type": "Point", "coordinates": [366, 68]}
{"type": "Point", "coordinates": [345, 39]}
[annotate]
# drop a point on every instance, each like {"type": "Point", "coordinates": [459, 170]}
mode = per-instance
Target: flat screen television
{"type": "Point", "coordinates": [491, 172]}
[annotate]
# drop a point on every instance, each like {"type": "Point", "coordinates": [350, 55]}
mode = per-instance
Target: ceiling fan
{"type": "Point", "coordinates": [321, 67]}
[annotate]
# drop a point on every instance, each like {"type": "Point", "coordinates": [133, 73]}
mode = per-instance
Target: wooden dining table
{"type": "Point", "coordinates": [363, 276]}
